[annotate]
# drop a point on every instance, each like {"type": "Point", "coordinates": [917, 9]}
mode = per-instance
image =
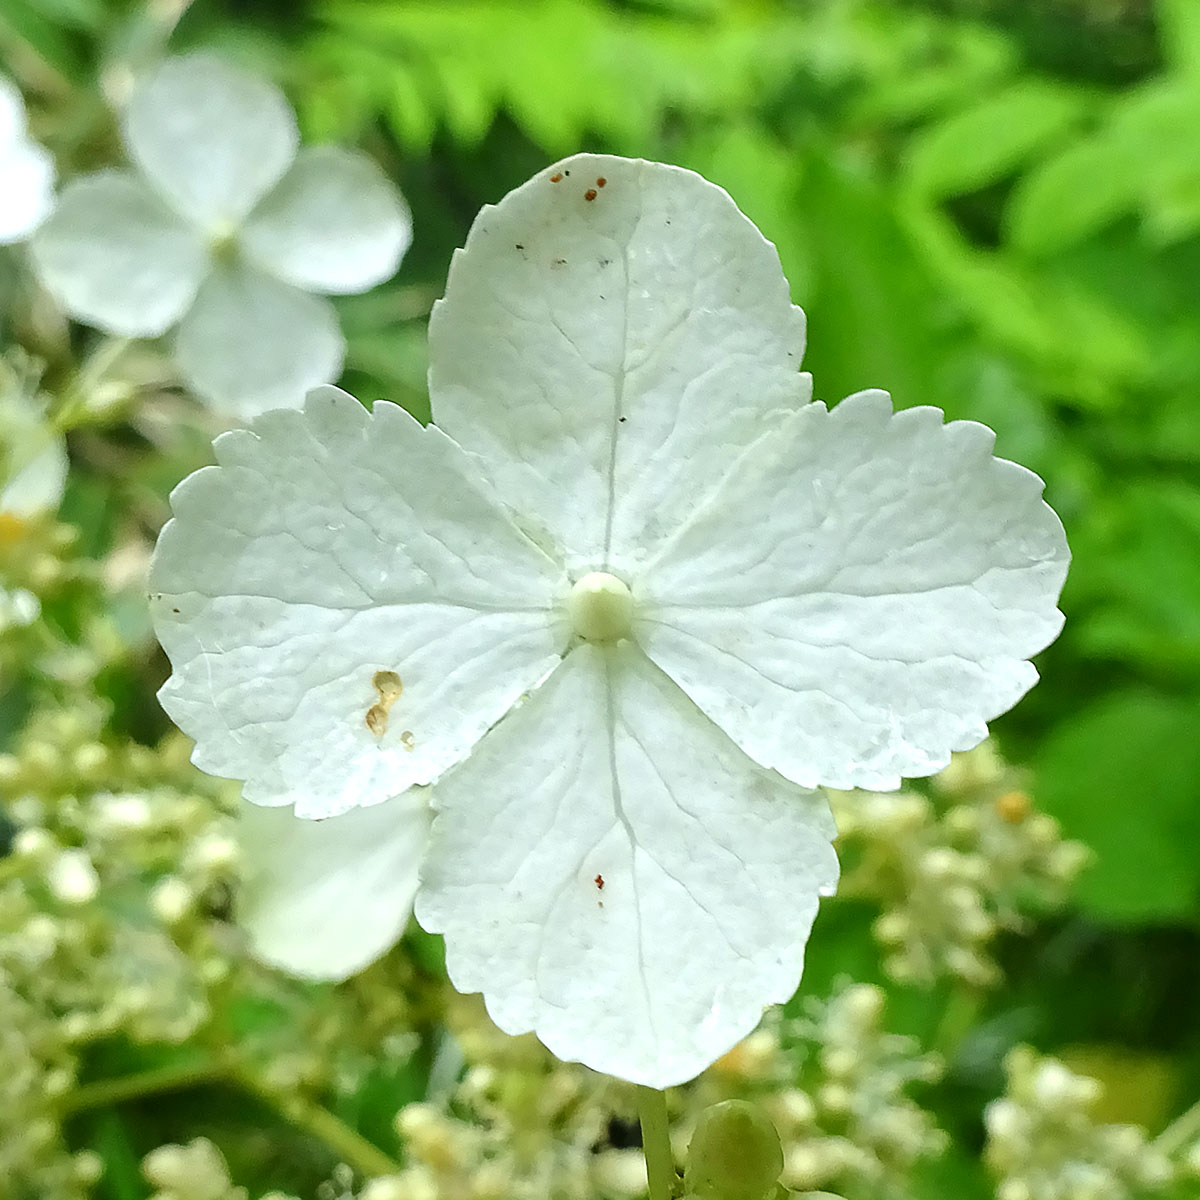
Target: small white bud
{"type": "Point", "coordinates": [72, 878]}
{"type": "Point", "coordinates": [171, 899]}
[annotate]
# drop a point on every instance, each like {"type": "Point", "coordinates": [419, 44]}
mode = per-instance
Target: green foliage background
{"type": "Point", "coordinates": [989, 207]}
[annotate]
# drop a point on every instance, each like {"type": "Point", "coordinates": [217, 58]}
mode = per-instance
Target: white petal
{"type": "Point", "coordinates": [327, 546]}
{"type": "Point", "coordinates": [116, 257]}
{"type": "Point", "coordinates": [334, 223]}
{"type": "Point", "coordinates": [614, 874]}
{"type": "Point", "coordinates": [27, 195]}
{"type": "Point", "coordinates": [324, 899]}
{"type": "Point", "coordinates": [251, 343]}
{"type": "Point", "coordinates": [861, 595]}
{"type": "Point", "coordinates": [12, 111]}
{"type": "Point", "coordinates": [608, 357]}
{"type": "Point", "coordinates": [213, 139]}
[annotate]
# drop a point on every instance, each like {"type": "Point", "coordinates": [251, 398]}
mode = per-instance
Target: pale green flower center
{"type": "Point", "coordinates": [600, 607]}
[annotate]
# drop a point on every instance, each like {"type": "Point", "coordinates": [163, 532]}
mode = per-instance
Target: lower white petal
{"type": "Point", "coordinates": [251, 343]}
{"type": "Point", "coordinates": [324, 899]}
{"type": "Point", "coordinates": [115, 256]}
{"type": "Point", "coordinates": [616, 875]}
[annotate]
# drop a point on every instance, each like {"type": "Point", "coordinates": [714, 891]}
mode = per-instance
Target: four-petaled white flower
{"type": "Point", "coordinates": [628, 603]}
{"type": "Point", "coordinates": [26, 169]}
{"type": "Point", "coordinates": [226, 231]}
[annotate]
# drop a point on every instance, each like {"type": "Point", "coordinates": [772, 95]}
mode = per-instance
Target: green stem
{"type": "Point", "coordinates": [108, 1092]}
{"type": "Point", "coordinates": [348, 1144]}
{"type": "Point", "coordinates": [656, 1143]}
{"type": "Point", "coordinates": [1180, 1132]}
{"type": "Point", "coordinates": [77, 393]}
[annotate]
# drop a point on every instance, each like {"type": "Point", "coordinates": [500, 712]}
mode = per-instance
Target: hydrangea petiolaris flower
{"type": "Point", "coordinates": [26, 169]}
{"type": "Point", "coordinates": [225, 231]}
{"type": "Point", "coordinates": [627, 605]}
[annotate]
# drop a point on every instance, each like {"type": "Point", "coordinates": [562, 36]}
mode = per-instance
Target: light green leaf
{"type": "Point", "coordinates": [986, 143]}
{"type": "Point", "coordinates": [1071, 196]}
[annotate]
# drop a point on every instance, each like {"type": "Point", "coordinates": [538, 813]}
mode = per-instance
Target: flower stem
{"type": "Point", "coordinates": [348, 1144]}
{"type": "Point", "coordinates": [1181, 1131]}
{"type": "Point", "coordinates": [107, 1092]}
{"type": "Point", "coordinates": [656, 1144]}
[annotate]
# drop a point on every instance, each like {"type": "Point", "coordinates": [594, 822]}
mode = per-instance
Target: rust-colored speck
{"type": "Point", "coordinates": [601, 181]}
{"type": "Point", "coordinates": [599, 882]}
{"type": "Point", "coordinates": [590, 194]}
{"type": "Point", "coordinates": [556, 177]}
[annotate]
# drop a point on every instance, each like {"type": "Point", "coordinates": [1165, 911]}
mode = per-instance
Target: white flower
{"type": "Point", "coordinates": [627, 603]}
{"type": "Point", "coordinates": [224, 230]}
{"type": "Point", "coordinates": [27, 171]}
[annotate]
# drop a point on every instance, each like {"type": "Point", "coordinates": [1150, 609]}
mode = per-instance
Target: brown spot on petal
{"type": "Point", "coordinates": [556, 178]}
{"type": "Point", "coordinates": [590, 194]}
{"type": "Point", "coordinates": [601, 181]}
{"type": "Point", "coordinates": [389, 687]}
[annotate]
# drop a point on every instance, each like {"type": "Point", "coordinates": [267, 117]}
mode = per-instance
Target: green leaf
{"type": "Point", "coordinates": [1071, 196]}
{"type": "Point", "coordinates": [1179, 30]}
{"type": "Point", "coordinates": [991, 140]}
{"type": "Point", "coordinates": [1137, 584]}
{"type": "Point", "coordinates": [1124, 778]}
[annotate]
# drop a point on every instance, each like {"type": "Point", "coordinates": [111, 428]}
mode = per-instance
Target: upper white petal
{"type": "Point", "coordinates": [614, 874]}
{"type": "Point", "coordinates": [211, 138]}
{"type": "Point", "coordinates": [328, 545]}
{"type": "Point", "coordinates": [250, 343]}
{"type": "Point", "coordinates": [324, 899]}
{"type": "Point", "coordinates": [862, 594]}
{"type": "Point", "coordinates": [613, 333]}
{"type": "Point", "coordinates": [115, 256]}
{"type": "Point", "coordinates": [334, 223]}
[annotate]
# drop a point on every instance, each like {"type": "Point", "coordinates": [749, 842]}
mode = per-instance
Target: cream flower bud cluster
{"type": "Point", "coordinates": [1044, 1142]}
{"type": "Point", "coordinates": [523, 1126]}
{"type": "Point", "coordinates": [852, 1126]}
{"type": "Point", "coordinates": [953, 871]}
{"type": "Point", "coordinates": [37, 1069]}
{"type": "Point", "coordinates": [196, 1171]}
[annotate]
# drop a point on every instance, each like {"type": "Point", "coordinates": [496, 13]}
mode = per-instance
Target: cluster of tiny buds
{"type": "Point", "coordinates": [1044, 1143]}
{"type": "Point", "coordinates": [953, 869]}
{"type": "Point", "coordinates": [518, 1125]}
{"type": "Point", "coordinates": [853, 1126]}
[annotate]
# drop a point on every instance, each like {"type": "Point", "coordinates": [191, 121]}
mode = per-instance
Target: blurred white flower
{"type": "Point", "coordinates": [27, 194]}
{"type": "Point", "coordinates": [225, 231]}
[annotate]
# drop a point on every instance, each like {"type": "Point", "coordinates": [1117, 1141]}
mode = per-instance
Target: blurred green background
{"type": "Point", "coordinates": [991, 206]}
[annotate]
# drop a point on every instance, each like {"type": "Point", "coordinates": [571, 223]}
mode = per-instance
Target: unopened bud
{"type": "Point", "coordinates": [734, 1154]}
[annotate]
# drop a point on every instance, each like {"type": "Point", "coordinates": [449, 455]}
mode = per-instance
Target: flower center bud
{"type": "Point", "coordinates": [600, 607]}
